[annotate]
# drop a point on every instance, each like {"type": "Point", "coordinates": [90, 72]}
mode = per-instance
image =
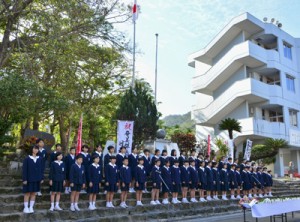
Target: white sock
{"type": "Point", "coordinates": [57, 204]}
{"type": "Point", "coordinates": [72, 204]}
{"type": "Point", "coordinates": [52, 204]}
{"type": "Point", "coordinates": [25, 204]}
{"type": "Point", "coordinates": [76, 204]}
{"type": "Point", "coordinates": [93, 204]}
{"type": "Point", "coordinates": [32, 203]}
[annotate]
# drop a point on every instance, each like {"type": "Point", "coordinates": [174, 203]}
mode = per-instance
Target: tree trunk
{"type": "Point", "coordinates": [62, 132]}
{"type": "Point", "coordinates": [35, 124]}
{"type": "Point", "coordinates": [24, 126]}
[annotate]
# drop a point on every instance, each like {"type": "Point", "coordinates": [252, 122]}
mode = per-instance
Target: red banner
{"type": "Point", "coordinates": [79, 137]}
{"type": "Point", "coordinates": [208, 145]}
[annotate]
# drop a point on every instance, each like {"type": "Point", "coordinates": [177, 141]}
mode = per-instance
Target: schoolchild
{"type": "Point", "coordinates": [229, 163]}
{"type": "Point", "coordinates": [32, 177]}
{"type": "Point", "coordinates": [120, 156]}
{"type": "Point", "coordinates": [202, 181]}
{"type": "Point", "coordinates": [233, 184]}
{"type": "Point", "coordinates": [77, 181]}
{"type": "Point", "coordinates": [239, 181]}
{"type": "Point", "coordinates": [270, 182]}
{"type": "Point", "coordinates": [133, 162]}
{"type": "Point", "coordinates": [94, 180]}
{"type": "Point", "coordinates": [98, 152]}
{"type": "Point", "coordinates": [43, 155]}
{"type": "Point", "coordinates": [111, 181]}
{"type": "Point", "coordinates": [185, 180]}
{"type": "Point", "coordinates": [166, 181]}
{"type": "Point", "coordinates": [248, 169]}
{"type": "Point", "coordinates": [86, 161]}
{"type": "Point", "coordinates": [198, 160]}
{"type": "Point", "coordinates": [147, 165]}
{"type": "Point", "coordinates": [182, 158]}
{"type": "Point", "coordinates": [156, 182]}
{"type": "Point", "coordinates": [176, 181]}
{"type": "Point", "coordinates": [254, 181]}
{"type": "Point", "coordinates": [261, 181]}
{"type": "Point", "coordinates": [243, 165]}
{"type": "Point", "coordinates": [216, 180]}
{"type": "Point", "coordinates": [246, 186]}
{"type": "Point", "coordinates": [58, 148]}
{"type": "Point", "coordinates": [194, 180]}
{"type": "Point", "coordinates": [163, 157]}
{"type": "Point", "coordinates": [111, 151]}
{"type": "Point", "coordinates": [224, 181]}
{"type": "Point", "coordinates": [209, 180]}
{"type": "Point", "coordinates": [57, 181]}
{"type": "Point", "coordinates": [173, 157]}
{"type": "Point", "coordinates": [140, 181]}
{"type": "Point", "coordinates": [193, 155]}
{"type": "Point", "coordinates": [125, 179]}
{"type": "Point", "coordinates": [155, 157]}
{"type": "Point", "coordinates": [69, 160]}
{"type": "Point", "coordinates": [221, 163]}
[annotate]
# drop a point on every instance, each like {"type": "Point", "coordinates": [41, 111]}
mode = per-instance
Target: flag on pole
{"type": "Point", "coordinates": [79, 137]}
{"type": "Point", "coordinates": [208, 145]}
{"type": "Point", "coordinates": [134, 11]}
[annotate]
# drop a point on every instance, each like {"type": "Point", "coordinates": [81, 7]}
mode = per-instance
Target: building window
{"type": "Point", "coordinates": [287, 50]}
{"type": "Point", "coordinates": [293, 117]}
{"type": "Point", "coordinates": [276, 116]}
{"type": "Point", "coordinates": [290, 83]}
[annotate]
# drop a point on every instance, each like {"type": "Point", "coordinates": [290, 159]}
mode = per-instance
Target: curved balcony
{"type": "Point", "coordinates": [248, 89]}
{"type": "Point", "coordinates": [246, 53]}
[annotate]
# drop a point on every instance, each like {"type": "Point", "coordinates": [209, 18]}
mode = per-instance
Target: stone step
{"type": "Point", "coordinates": [141, 213]}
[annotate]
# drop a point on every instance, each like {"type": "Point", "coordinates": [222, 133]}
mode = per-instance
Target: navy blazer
{"type": "Point", "coordinates": [32, 171]}
{"type": "Point", "coordinates": [111, 174]}
{"type": "Point", "coordinates": [140, 175]}
{"type": "Point", "coordinates": [238, 177]}
{"type": "Point", "coordinates": [101, 159]}
{"type": "Point", "coordinates": [94, 174]}
{"type": "Point", "coordinates": [52, 158]}
{"type": "Point", "coordinates": [220, 165]}
{"type": "Point", "coordinates": [216, 175]}
{"type": "Point", "coordinates": [224, 176]}
{"type": "Point", "coordinates": [209, 175]}
{"type": "Point", "coordinates": [185, 175]}
{"type": "Point", "coordinates": [202, 176]}
{"type": "Point", "coordinates": [119, 161]}
{"type": "Point", "coordinates": [86, 161]}
{"type": "Point", "coordinates": [156, 175]}
{"type": "Point", "coordinates": [125, 175]}
{"type": "Point", "coordinates": [245, 178]}
{"type": "Point", "coordinates": [181, 160]}
{"type": "Point", "coordinates": [77, 174]}
{"type": "Point", "coordinates": [106, 159]}
{"type": "Point", "coordinates": [166, 175]}
{"type": "Point", "coordinates": [232, 177]}
{"type": "Point", "coordinates": [175, 173]}
{"type": "Point", "coordinates": [147, 165]}
{"type": "Point", "coordinates": [57, 171]}
{"type": "Point", "coordinates": [193, 175]}
{"type": "Point", "coordinates": [69, 161]}
{"type": "Point", "coordinates": [172, 159]}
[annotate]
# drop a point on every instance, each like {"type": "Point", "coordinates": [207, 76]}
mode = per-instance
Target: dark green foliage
{"type": "Point", "coordinates": [138, 105]}
{"type": "Point", "coordinates": [230, 125]}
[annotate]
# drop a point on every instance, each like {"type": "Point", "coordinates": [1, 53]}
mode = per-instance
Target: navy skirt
{"type": "Point", "coordinates": [193, 186]}
{"type": "Point", "coordinates": [57, 186]}
{"type": "Point", "coordinates": [141, 186]}
{"type": "Point", "coordinates": [112, 187]}
{"type": "Point", "coordinates": [165, 189]}
{"type": "Point", "coordinates": [225, 187]}
{"type": "Point", "coordinates": [176, 188]}
{"type": "Point", "coordinates": [203, 186]}
{"type": "Point", "coordinates": [216, 186]}
{"type": "Point", "coordinates": [32, 187]}
{"type": "Point", "coordinates": [125, 188]}
{"type": "Point", "coordinates": [157, 186]}
{"type": "Point", "coordinates": [94, 189]}
{"type": "Point", "coordinates": [76, 187]}
{"type": "Point", "coordinates": [210, 186]}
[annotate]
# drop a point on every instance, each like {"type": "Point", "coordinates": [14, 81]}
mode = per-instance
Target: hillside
{"type": "Point", "coordinates": [183, 121]}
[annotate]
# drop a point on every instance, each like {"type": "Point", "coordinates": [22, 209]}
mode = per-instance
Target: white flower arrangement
{"type": "Point", "coordinates": [276, 200]}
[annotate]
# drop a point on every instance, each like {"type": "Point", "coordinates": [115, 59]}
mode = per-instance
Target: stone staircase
{"type": "Point", "coordinates": [11, 204]}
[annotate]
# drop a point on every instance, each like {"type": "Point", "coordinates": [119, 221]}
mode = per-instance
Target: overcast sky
{"type": "Point", "coordinates": [186, 26]}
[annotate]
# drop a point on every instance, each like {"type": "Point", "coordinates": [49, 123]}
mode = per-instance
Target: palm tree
{"type": "Point", "coordinates": [230, 125]}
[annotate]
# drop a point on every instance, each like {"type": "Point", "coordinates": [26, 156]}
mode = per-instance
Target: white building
{"type": "Point", "coordinates": [251, 72]}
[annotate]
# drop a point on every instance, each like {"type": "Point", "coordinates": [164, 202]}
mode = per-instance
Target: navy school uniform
{"type": "Point", "coordinates": [202, 178]}
{"type": "Point", "coordinates": [119, 161]}
{"type": "Point", "coordinates": [255, 181]}
{"type": "Point", "coordinates": [194, 179]}
{"type": "Point", "coordinates": [106, 159]}
{"type": "Point", "coordinates": [147, 164]}
{"type": "Point", "coordinates": [245, 180]}
{"type": "Point", "coordinates": [86, 161]}
{"type": "Point", "coordinates": [209, 179]}
{"type": "Point", "coordinates": [242, 167]}
{"type": "Point", "coordinates": [270, 179]}
{"type": "Point", "coordinates": [69, 160]}
{"type": "Point", "coordinates": [125, 177]}
{"type": "Point", "coordinates": [94, 175]}
{"type": "Point", "coordinates": [163, 160]}
{"type": "Point", "coordinates": [216, 179]}
{"type": "Point", "coordinates": [156, 177]}
{"type": "Point", "coordinates": [32, 172]}
{"type": "Point", "coordinates": [238, 178]}
{"type": "Point", "coordinates": [52, 158]}
{"type": "Point", "coordinates": [140, 177]}
{"type": "Point", "coordinates": [181, 160]}
{"type": "Point", "coordinates": [153, 161]}
{"type": "Point", "coordinates": [44, 156]}
{"type": "Point", "coordinates": [229, 167]}
{"type": "Point", "coordinates": [184, 176]}
{"type": "Point", "coordinates": [265, 179]}
{"type": "Point", "coordinates": [250, 179]}
{"type": "Point", "coordinates": [100, 155]}
{"type": "Point", "coordinates": [166, 176]}
{"type": "Point", "coordinates": [176, 180]}
{"type": "Point", "coordinates": [111, 177]}
{"type": "Point", "coordinates": [220, 165]}
{"type": "Point", "coordinates": [77, 177]}
{"type": "Point", "coordinates": [197, 163]}
{"type": "Point", "coordinates": [132, 163]}
{"type": "Point", "coordinates": [260, 179]}
{"type": "Point", "coordinates": [224, 179]}
{"type": "Point", "coordinates": [57, 175]}
{"type": "Point", "coordinates": [172, 159]}
{"type": "Point", "coordinates": [233, 184]}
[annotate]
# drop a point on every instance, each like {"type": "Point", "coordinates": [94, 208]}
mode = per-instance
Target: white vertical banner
{"type": "Point", "coordinates": [247, 154]}
{"type": "Point", "coordinates": [125, 133]}
{"type": "Point", "coordinates": [230, 148]}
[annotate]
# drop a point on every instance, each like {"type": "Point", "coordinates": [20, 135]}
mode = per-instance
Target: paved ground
{"type": "Point", "coordinates": [238, 217]}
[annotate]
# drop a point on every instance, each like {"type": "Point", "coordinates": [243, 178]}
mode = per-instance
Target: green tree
{"type": "Point", "coordinates": [185, 141]}
{"type": "Point", "coordinates": [230, 125]}
{"type": "Point", "coordinates": [138, 105]}
{"type": "Point", "coordinates": [223, 148]}
{"type": "Point", "coordinates": [267, 151]}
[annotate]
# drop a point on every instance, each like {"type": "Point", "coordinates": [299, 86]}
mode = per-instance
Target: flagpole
{"type": "Point", "coordinates": [156, 68]}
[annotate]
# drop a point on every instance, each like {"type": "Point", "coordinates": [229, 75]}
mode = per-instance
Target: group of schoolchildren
{"type": "Point", "coordinates": [83, 173]}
